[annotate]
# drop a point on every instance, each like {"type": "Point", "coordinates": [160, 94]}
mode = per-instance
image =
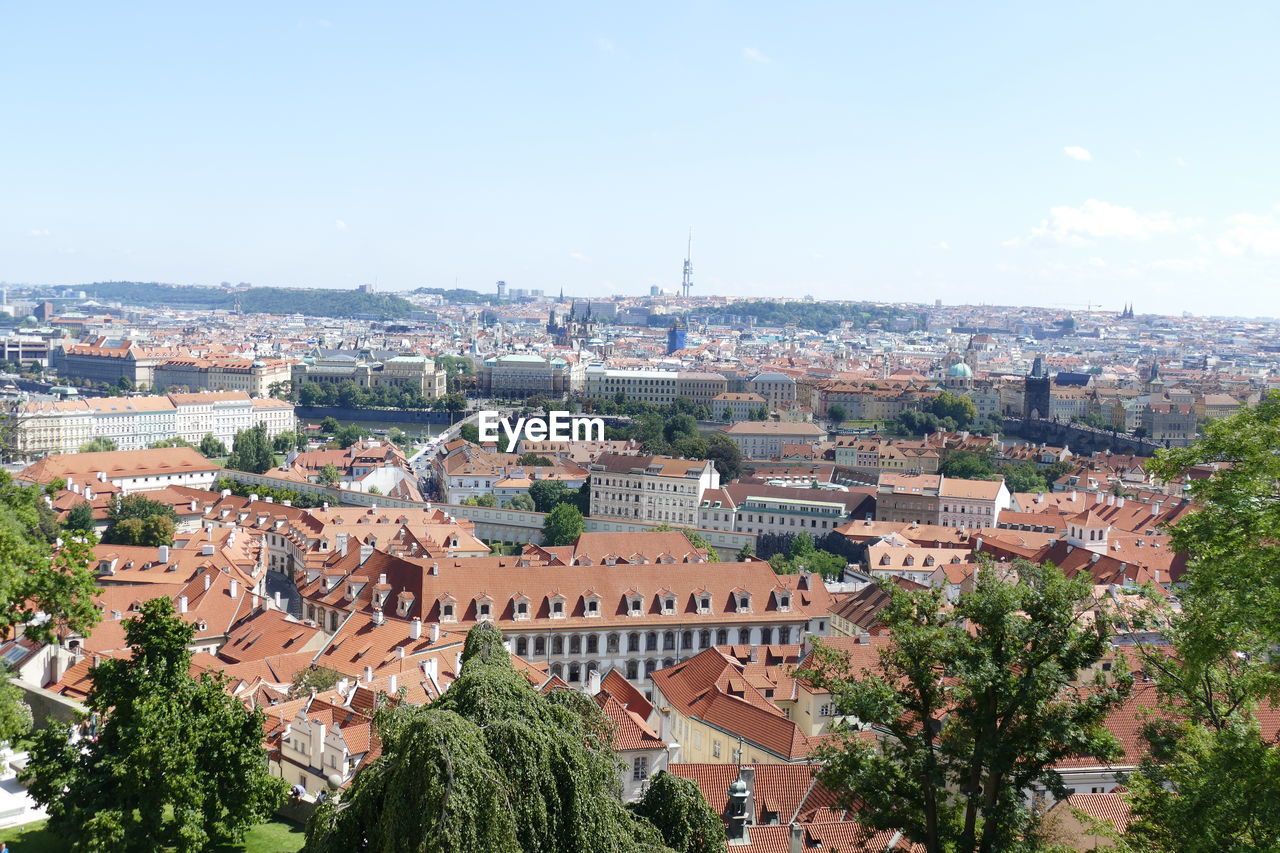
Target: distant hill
{"type": "Point", "coordinates": [315, 302]}
{"type": "Point", "coordinates": [819, 316]}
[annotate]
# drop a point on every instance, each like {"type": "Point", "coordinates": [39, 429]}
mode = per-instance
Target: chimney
{"type": "Point", "coordinates": [864, 639]}
{"type": "Point", "coordinates": [182, 604]}
{"type": "Point", "coordinates": [325, 506]}
{"type": "Point", "coordinates": [102, 476]}
{"type": "Point", "coordinates": [208, 579]}
{"type": "Point", "coordinates": [435, 632]}
{"type": "Point", "coordinates": [368, 674]}
{"type": "Point", "coordinates": [593, 682]}
{"type": "Point", "coordinates": [378, 617]}
{"type": "Point", "coordinates": [796, 840]}
{"type": "Point", "coordinates": [195, 506]}
{"type": "Point", "coordinates": [434, 571]}
{"type": "Point", "coordinates": [233, 588]}
{"type": "Point", "coordinates": [226, 493]}
{"type": "Point", "coordinates": [415, 629]}
{"type": "Point", "coordinates": [164, 553]}
{"type": "Point", "coordinates": [286, 502]}
{"type": "Point", "coordinates": [207, 549]}
{"type": "Point", "coordinates": [276, 599]}
{"type": "Point", "coordinates": [270, 499]}
{"type": "Point", "coordinates": [392, 683]}
{"type": "Point", "coordinates": [429, 669]}
{"type": "Point", "coordinates": [1120, 501]}
{"type": "Point", "coordinates": [253, 497]}
{"type": "Point", "coordinates": [343, 685]}
{"type": "Point", "coordinates": [365, 551]}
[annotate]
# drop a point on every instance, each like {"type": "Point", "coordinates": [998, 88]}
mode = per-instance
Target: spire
{"type": "Point", "coordinates": [686, 281]}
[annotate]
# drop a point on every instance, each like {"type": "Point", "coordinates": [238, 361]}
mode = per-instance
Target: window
{"type": "Point", "coordinates": [557, 608]}
{"type": "Point", "coordinates": [593, 644]}
{"type": "Point", "coordinates": [633, 669]}
{"type": "Point", "coordinates": [522, 610]}
{"type": "Point", "coordinates": [633, 642]}
{"type": "Point", "coordinates": [744, 636]}
{"type": "Point", "coordinates": [446, 611]}
{"type": "Point", "coordinates": [640, 769]}
{"type": "Point", "coordinates": [484, 610]}
{"type": "Point", "coordinates": [522, 646]}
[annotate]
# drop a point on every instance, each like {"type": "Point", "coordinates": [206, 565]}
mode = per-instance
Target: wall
{"type": "Point", "coordinates": [1080, 438]}
{"type": "Point", "coordinates": [46, 705]}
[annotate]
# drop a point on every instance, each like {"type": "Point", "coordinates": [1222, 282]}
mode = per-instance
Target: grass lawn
{"type": "Point", "coordinates": [278, 836]}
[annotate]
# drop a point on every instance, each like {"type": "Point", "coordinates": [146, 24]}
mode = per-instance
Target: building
{"type": "Point", "coordinates": [133, 423]}
{"type": "Point", "coordinates": [50, 426]}
{"type": "Point", "coordinates": [650, 488]}
{"type": "Point", "coordinates": [764, 439]}
{"type": "Point", "coordinates": [739, 406]}
{"type": "Point", "coordinates": [658, 387]}
{"type": "Point", "coordinates": [407, 371]}
{"type": "Point", "coordinates": [937, 499]}
{"type": "Point", "coordinates": [758, 508]}
{"type": "Point", "coordinates": [129, 470]}
{"type": "Point", "coordinates": [518, 376]}
{"type": "Point", "coordinates": [778, 390]}
{"type": "Point", "coordinates": [254, 376]}
{"type": "Point", "coordinates": [108, 361]}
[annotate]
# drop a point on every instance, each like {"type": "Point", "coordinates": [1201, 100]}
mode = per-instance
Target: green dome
{"type": "Point", "coordinates": [961, 370]}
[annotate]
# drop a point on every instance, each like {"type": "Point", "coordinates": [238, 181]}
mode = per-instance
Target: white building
{"type": "Point", "coordinates": [764, 439]}
{"type": "Point", "coordinates": [650, 488]}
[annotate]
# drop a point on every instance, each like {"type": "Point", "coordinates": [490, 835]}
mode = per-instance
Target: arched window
{"type": "Point", "coordinates": [575, 672]}
{"type": "Point", "coordinates": [539, 646]}
{"type": "Point", "coordinates": [686, 640]}
{"type": "Point", "coordinates": [669, 641]}
{"type": "Point", "coordinates": [593, 644]}
{"type": "Point", "coordinates": [744, 636]}
{"type": "Point", "coordinates": [611, 644]}
{"type": "Point", "coordinates": [633, 669]}
{"type": "Point", "coordinates": [649, 667]}
{"type": "Point", "coordinates": [722, 636]}
{"type": "Point", "coordinates": [522, 646]}
{"type": "Point", "coordinates": [557, 670]}
{"type": "Point", "coordinates": [557, 645]}
{"type": "Point", "coordinates": [575, 645]}
{"type": "Point", "coordinates": [652, 641]}
{"type": "Point", "coordinates": [633, 642]}
{"type": "Point", "coordinates": [704, 638]}
{"type": "Point", "coordinates": [766, 636]}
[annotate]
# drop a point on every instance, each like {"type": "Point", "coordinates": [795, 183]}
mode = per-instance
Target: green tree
{"type": "Point", "coordinates": [469, 432]}
{"type": "Point", "coordinates": [349, 435]}
{"type": "Point", "coordinates": [837, 413]}
{"type": "Point", "coordinates": [79, 517]}
{"type": "Point", "coordinates": [745, 552]}
{"type": "Point", "coordinates": [176, 441]}
{"type": "Point", "coordinates": [678, 809]}
{"type": "Point", "coordinates": [318, 678]}
{"type": "Point", "coordinates": [329, 425]}
{"type": "Point", "coordinates": [374, 490]}
{"type": "Point", "coordinates": [696, 539]}
{"type": "Point", "coordinates": [1023, 478]}
{"type": "Point", "coordinates": [562, 526]}
{"type": "Point", "coordinates": [1211, 780]}
{"type": "Point", "coordinates": [977, 705]}
{"type": "Point", "coordinates": [178, 762]}
{"type": "Point", "coordinates": [329, 474]}
{"type": "Point", "coordinates": [484, 500]}
{"type": "Point", "coordinates": [212, 448]}
{"type": "Point", "coordinates": [678, 427]}
{"type": "Point", "coordinates": [493, 765]}
{"type": "Point", "coordinates": [138, 520]}
{"type": "Point", "coordinates": [284, 442]}
{"type": "Point", "coordinates": [955, 406]}
{"type": "Point", "coordinates": [535, 460]}
{"type": "Point", "coordinates": [251, 451]}
{"type": "Point", "coordinates": [966, 465]}
{"type": "Point", "coordinates": [98, 445]}
{"type": "Point", "coordinates": [522, 502]}
{"type": "Point", "coordinates": [548, 494]}
{"type": "Point", "coordinates": [726, 455]}
{"type": "Point", "coordinates": [727, 415]}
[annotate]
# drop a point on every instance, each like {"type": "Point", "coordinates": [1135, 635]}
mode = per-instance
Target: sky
{"type": "Point", "coordinates": [1012, 153]}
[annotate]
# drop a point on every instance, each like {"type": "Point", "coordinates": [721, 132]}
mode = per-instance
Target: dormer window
{"type": "Point", "coordinates": [744, 603]}
{"type": "Point", "coordinates": [522, 608]}
{"type": "Point", "coordinates": [635, 605]}
{"type": "Point", "coordinates": [448, 610]}
{"type": "Point", "coordinates": [404, 603]}
{"type": "Point", "coordinates": [557, 607]}
{"type": "Point", "coordinates": [704, 604]}
{"type": "Point", "coordinates": [484, 610]}
{"type": "Point", "coordinates": [668, 605]}
{"type": "Point", "coordinates": [593, 607]}
{"type": "Point", "coordinates": [784, 601]}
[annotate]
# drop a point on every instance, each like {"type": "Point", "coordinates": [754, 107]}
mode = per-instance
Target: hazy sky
{"type": "Point", "coordinates": [1001, 152]}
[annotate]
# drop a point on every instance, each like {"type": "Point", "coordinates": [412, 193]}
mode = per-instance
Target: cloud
{"type": "Point", "coordinates": [1178, 161]}
{"type": "Point", "coordinates": [39, 232]}
{"type": "Point", "coordinates": [1075, 152]}
{"type": "Point", "coordinates": [579, 257]}
{"type": "Point", "coordinates": [942, 245]}
{"type": "Point", "coordinates": [324, 23]}
{"type": "Point", "coordinates": [1249, 233]}
{"type": "Point", "coordinates": [341, 226]}
{"type": "Point", "coordinates": [1095, 220]}
{"type": "Point", "coordinates": [754, 55]}
{"type": "Point", "coordinates": [605, 45]}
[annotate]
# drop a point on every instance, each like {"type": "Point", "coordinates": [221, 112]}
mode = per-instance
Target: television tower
{"type": "Point", "coordinates": [687, 281]}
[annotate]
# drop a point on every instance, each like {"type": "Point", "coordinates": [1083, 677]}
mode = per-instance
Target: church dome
{"type": "Point", "coordinates": [960, 370]}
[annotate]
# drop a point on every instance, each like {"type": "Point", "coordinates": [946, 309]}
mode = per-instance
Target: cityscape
{"type": "Point", "coordinates": [784, 532]}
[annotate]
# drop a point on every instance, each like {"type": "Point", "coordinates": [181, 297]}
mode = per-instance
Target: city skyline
{"type": "Point", "coordinates": [990, 155]}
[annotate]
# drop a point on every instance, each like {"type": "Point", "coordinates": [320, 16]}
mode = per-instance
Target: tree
{"type": "Point", "coordinates": [678, 427]}
{"type": "Point", "coordinates": [251, 451]}
{"type": "Point", "coordinates": [726, 455]}
{"type": "Point", "coordinates": [977, 705]}
{"type": "Point", "coordinates": [284, 442]}
{"type": "Point", "coordinates": [100, 444]}
{"type": "Point", "coordinates": [695, 538]}
{"type": "Point", "coordinates": [318, 678]}
{"type": "Point", "coordinates": [329, 425]}
{"type": "Point", "coordinates": [329, 474]}
{"type": "Point", "coordinates": [547, 494]}
{"type": "Point", "coordinates": [1211, 780]}
{"type": "Point", "coordinates": [522, 502]}
{"type": "Point", "coordinates": [481, 500]}
{"type": "Point", "coordinates": [966, 465]}
{"type": "Point", "coordinates": [727, 415]}
{"type": "Point", "coordinates": [469, 432]}
{"type": "Point", "coordinates": [744, 553]}
{"type": "Point", "coordinates": [837, 413]}
{"type": "Point", "coordinates": [491, 765]}
{"type": "Point", "coordinates": [349, 435]}
{"type": "Point", "coordinates": [1023, 478]}
{"type": "Point", "coordinates": [562, 526]}
{"type": "Point", "coordinates": [178, 762]}
{"type": "Point", "coordinates": [678, 809]}
{"type": "Point", "coordinates": [138, 520]}
{"type": "Point", "coordinates": [175, 441]}
{"type": "Point", "coordinates": [957, 407]}
{"type": "Point", "coordinates": [80, 517]}
{"type": "Point", "coordinates": [535, 460]}
{"type": "Point", "coordinates": [212, 448]}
